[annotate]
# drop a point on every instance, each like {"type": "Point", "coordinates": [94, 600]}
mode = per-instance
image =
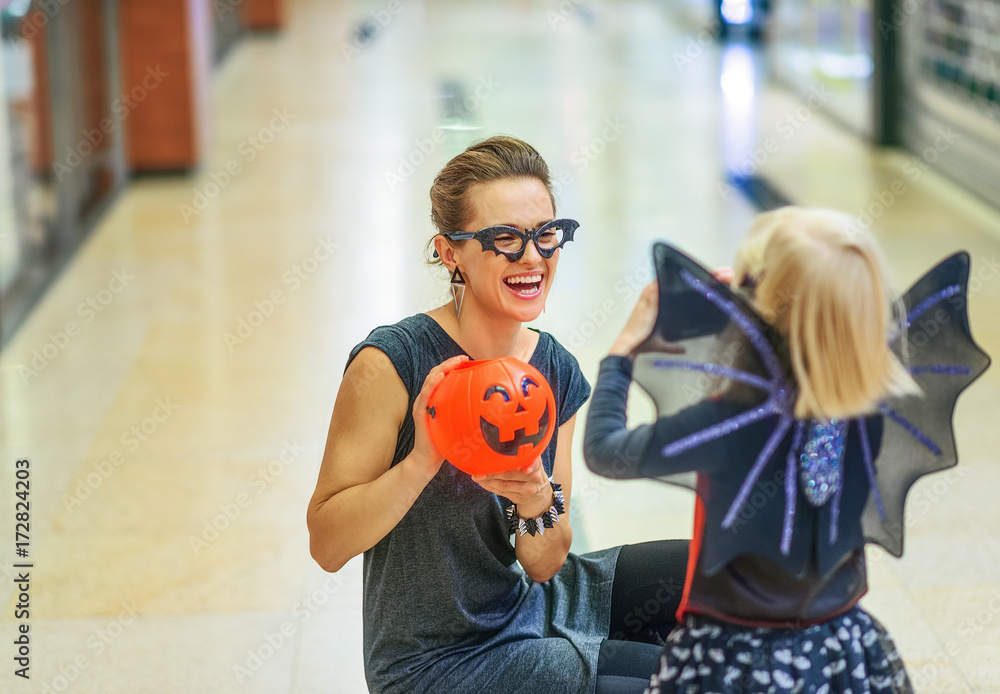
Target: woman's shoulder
{"type": "Point", "coordinates": [412, 330]}
{"type": "Point", "coordinates": [414, 345]}
{"type": "Point", "coordinates": [411, 325]}
{"type": "Point", "coordinates": [550, 350]}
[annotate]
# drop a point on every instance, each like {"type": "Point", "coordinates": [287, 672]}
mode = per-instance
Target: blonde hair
{"type": "Point", "coordinates": [822, 283]}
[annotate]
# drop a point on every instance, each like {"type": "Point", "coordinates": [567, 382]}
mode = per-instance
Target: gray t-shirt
{"type": "Point", "coordinates": [446, 607]}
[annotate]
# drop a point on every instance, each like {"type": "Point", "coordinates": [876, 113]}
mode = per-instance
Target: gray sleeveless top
{"type": "Point", "coordinates": [446, 607]}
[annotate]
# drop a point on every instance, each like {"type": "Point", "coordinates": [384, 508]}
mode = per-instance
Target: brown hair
{"type": "Point", "coordinates": [823, 284]}
{"type": "Point", "coordinates": [488, 160]}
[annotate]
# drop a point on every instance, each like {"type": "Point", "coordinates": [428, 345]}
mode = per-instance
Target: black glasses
{"type": "Point", "coordinates": [511, 242]}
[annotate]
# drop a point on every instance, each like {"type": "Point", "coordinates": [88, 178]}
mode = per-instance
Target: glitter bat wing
{"type": "Point", "coordinates": [709, 345]}
{"type": "Point", "coordinates": [706, 338]}
{"type": "Point", "coordinates": [944, 360]}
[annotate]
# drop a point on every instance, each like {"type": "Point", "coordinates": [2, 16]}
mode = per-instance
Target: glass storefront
{"type": "Point", "coordinates": [226, 27]}
{"type": "Point", "coordinates": [951, 88]}
{"type": "Point", "coordinates": [66, 101]}
{"type": "Point", "coordinates": [924, 74]}
{"type": "Point", "coordinates": [827, 45]}
{"type": "Point", "coordinates": [27, 197]}
{"type": "Point", "coordinates": [60, 142]}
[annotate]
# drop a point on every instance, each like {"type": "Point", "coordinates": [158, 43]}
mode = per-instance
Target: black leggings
{"type": "Point", "coordinates": [649, 581]}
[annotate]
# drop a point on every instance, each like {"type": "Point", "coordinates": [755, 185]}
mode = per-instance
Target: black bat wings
{"type": "Point", "coordinates": [709, 343]}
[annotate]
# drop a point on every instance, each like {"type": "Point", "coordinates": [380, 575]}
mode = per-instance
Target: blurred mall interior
{"type": "Point", "coordinates": [204, 204]}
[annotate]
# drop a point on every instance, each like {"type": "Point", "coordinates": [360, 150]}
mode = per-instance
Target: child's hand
{"type": "Point", "coordinates": [723, 274]}
{"type": "Point", "coordinates": [640, 324]}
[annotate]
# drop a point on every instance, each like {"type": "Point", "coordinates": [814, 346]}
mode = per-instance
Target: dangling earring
{"type": "Point", "coordinates": [457, 290]}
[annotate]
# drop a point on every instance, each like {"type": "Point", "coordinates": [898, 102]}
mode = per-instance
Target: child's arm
{"type": "Point", "coordinates": [609, 447]}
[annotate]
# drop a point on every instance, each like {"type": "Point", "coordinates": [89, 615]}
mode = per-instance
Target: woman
{"type": "Point", "coordinates": [451, 602]}
{"type": "Point", "coordinates": [794, 420]}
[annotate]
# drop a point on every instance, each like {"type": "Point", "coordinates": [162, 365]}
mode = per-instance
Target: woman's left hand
{"type": "Point", "coordinates": [528, 487]}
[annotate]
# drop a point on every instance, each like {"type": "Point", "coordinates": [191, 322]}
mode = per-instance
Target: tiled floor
{"type": "Point", "coordinates": [175, 440]}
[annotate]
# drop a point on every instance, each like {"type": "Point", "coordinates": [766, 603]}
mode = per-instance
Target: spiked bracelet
{"type": "Point", "coordinates": [538, 525]}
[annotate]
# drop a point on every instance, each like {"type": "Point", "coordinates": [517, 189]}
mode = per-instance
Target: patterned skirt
{"type": "Point", "coordinates": [852, 654]}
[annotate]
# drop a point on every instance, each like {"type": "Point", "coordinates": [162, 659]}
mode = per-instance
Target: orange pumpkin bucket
{"type": "Point", "coordinates": [492, 415]}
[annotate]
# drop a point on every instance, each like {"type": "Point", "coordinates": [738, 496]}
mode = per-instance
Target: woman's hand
{"type": "Point", "coordinates": [423, 448]}
{"type": "Point", "coordinates": [360, 495]}
{"type": "Point", "coordinates": [528, 487]}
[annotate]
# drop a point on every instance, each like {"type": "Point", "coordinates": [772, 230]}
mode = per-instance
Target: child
{"type": "Point", "coordinates": [789, 401]}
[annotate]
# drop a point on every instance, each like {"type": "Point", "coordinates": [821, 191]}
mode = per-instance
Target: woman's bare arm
{"type": "Point", "coordinates": [359, 495]}
{"type": "Point", "coordinates": [540, 555]}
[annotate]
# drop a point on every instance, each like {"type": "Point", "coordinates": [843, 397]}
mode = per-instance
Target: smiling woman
{"type": "Point", "coordinates": [453, 602]}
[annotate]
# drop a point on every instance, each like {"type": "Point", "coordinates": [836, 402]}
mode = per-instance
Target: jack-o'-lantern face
{"type": "Point", "coordinates": [508, 422]}
{"type": "Point", "coordinates": [492, 416]}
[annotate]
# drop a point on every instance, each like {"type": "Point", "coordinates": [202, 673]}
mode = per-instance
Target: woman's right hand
{"type": "Point", "coordinates": [423, 448]}
{"type": "Point", "coordinates": [360, 495]}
